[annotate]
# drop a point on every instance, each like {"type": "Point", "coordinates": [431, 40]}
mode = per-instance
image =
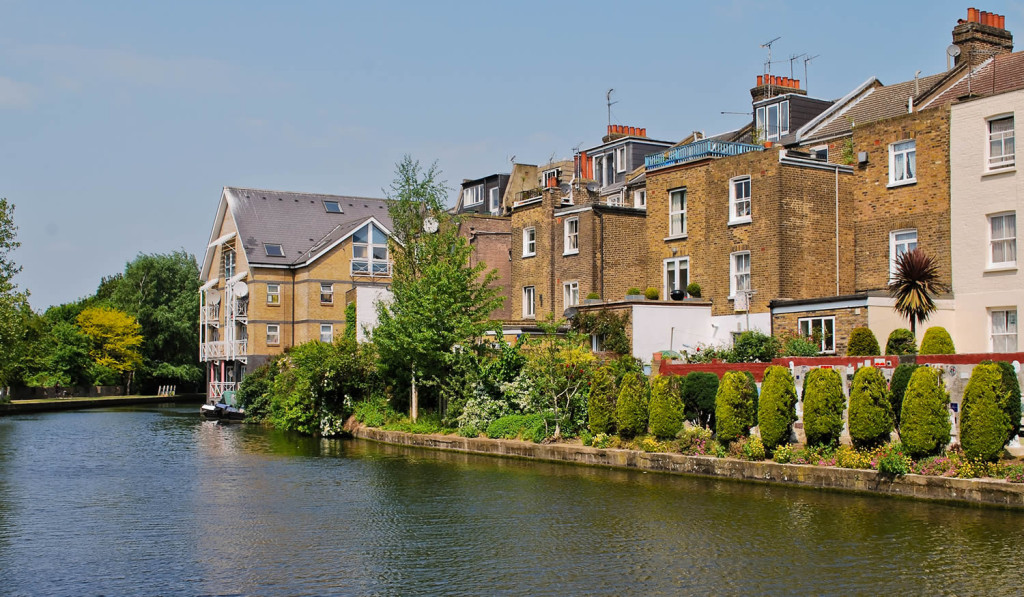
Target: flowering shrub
{"type": "Point", "coordinates": [651, 444]}
{"type": "Point", "coordinates": [815, 455]}
{"type": "Point", "coordinates": [847, 457]}
{"type": "Point", "coordinates": [695, 441]}
{"type": "Point", "coordinates": [719, 450]}
{"type": "Point", "coordinates": [747, 448]}
{"type": "Point", "coordinates": [937, 466]}
{"type": "Point", "coordinates": [602, 440]}
{"type": "Point", "coordinates": [893, 460]}
{"type": "Point", "coordinates": [1015, 473]}
{"type": "Point", "coordinates": [783, 454]}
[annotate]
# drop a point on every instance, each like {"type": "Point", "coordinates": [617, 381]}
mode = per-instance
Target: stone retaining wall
{"type": "Point", "coordinates": [20, 407]}
{"type": "Point", "coordinates": [972, 491]}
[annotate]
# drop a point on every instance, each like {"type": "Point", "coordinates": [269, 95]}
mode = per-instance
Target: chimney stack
{"type": "Point", "coordinates": [771, 85]}
{"type": "Point", "coordinates": [618, 131]}
{"type": "Point", "coordinates": [982, 36]}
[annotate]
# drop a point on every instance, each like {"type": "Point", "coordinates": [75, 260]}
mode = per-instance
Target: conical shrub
{"type": "Point", "coordinates": [699, 390]}
{"type": "Point", "coordinates": [870, 415]}
{"type": "Point", "coordinates": [862, 343]}
{"type": "Point", "coordinates": [734, 406]}
{"type": "Point", "coordinates": [601, 402]}
{"type": "Point", "coordinates": [901, 341]}
{"type": "Point", "coordinates": [666, 412]}
{"type": "Point", "coordinates": [631, 407]}
{"type": "Point", "coordinates": [824, 403]}
{"type": "Point", "coordinates": [937, 341]}
{"type": "Point", "coordinates": [983, 423]}
{"type": "Point", "coordinates": [1011, 395]}
{"type": "Point", "coordinates": [898, 387]}
{"type": "Point", "coordinates": [776, 407]}
{"type": "Point", "coordinates": [925, 424]}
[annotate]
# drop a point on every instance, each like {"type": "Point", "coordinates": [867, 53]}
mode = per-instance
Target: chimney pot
{"type": "Point", "coordinates": [760, 80]}
{"type": "Point", "coordinates": [643, 132]}
{"type": "Point", "coordinates": [1002, 21]}
{"type": "Point", "coordinates": [972, 15]}
{"type": "Point", "coordinates": [796, 83]}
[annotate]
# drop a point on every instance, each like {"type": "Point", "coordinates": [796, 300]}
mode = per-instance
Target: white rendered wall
{"type": "Point", "coordinates": [883, 319]}
{"type": "Point", "coordinates": [367, 298]}
{"type": "Point", "coordinates": [723, 326]}
{"type": "Point", "coordinates": [976, 193]}
{"type": "Point", "coordinates": [669, 327]}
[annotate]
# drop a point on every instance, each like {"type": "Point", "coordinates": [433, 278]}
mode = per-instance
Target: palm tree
{"type": "Point", "coordinates": [914, 282]}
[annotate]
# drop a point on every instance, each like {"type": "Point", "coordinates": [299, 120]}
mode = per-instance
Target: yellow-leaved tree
{"type": "Point", "coordinates": [116, 340]}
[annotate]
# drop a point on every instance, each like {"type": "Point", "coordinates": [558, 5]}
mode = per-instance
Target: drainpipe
{"type": "Point", "coordinates": [293, 308]}
{"type": "Point", "coordinates": [600, 270]}
{"type": "Point", "coordinates": [837, 230]}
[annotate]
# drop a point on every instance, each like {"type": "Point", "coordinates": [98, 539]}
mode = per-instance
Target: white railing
{"type": "Point", "coordinates": [210, 314]}
{"type": "Point", "coordinates": [241, 347]}
{"type": "Point", "coordinates": [217, 389]}
{"type": "Point", "coordinates": [224, 350]}
{"type": "Point", "coordinates": [240, 308]}
{"type": "Point", "coordinates": [213, 350]}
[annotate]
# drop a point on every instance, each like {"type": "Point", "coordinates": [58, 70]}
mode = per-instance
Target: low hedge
{"type": "Point", "coordinates": [529, 427]}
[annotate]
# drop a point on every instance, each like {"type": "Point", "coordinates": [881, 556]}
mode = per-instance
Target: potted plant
{"type": "Point", "coordinates": [634, 294]}
{"type": "Point", "coordinates": [693, 289]}
{"type": "Point", "coordinates": [651, 294]}
{"type": "Point", "coordinates": [592, 299]}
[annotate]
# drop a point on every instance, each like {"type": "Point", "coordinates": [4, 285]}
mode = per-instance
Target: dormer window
{"type": "Point", "coordinates": [332, 207]}
{"type": "Point", "coordinates": [620, 159]}
{"type": "Point", "coordinates": [473, 195]}
{"type": "Point", "coordinates": [549, 178]}
{"type": "Point", "coordinates": [273, 250]}
{"type": "Point", "coordinates": [370, 252]}
{"type": "Point", "coordinates": [772, 121]}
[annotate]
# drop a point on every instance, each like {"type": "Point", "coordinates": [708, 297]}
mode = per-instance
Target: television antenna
{"type": "Point", "coordinates": [792, 58]}
{"type": "Point", "coordinates": [806, 60]}
{"type": "Point", "coordinates": [608, 98]}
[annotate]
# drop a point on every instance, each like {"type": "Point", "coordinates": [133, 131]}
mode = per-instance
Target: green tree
{"type": "Point", "coordinates": [925, 425]}
{"type": "Point", "coordinates": [823, 407]}
{"type": "Point", "coordinates": [13, 303]}
{"type": "Point", "coordinates": [734, 406]}
{"type": "Point", "coordinates": [983, 423]}
{"type": "Point", "coordinates": [870, 414]}
{"type": "Point", "coordinates": [755, 346]}
{"type": "Point", "coordinates": [666, 411]}
{"type": "Point", "coordinates": [914, 284]}
{"type": "Point", "coordinates": [560, 369]}
{"type": "Point", "coordinates": [440, 303]}
{"type": "Point", "coordinates": [698, 392]}
{"type": "Point", "coordinates": [776, 406]}
{"type": "Point", "coordinates": [115, 340]}
{"type": "Point", "coordinates": [601, 402]}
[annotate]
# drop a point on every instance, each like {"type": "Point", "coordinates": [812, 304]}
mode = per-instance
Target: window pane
{"type": "Point", "coordinates": [380, 253]}
{"type": "Point", "coordinates": [361, 235]}
{"type": "Point", "coordinates": [359, 251]}
{"type": "Point", "coordinates": [378, 236]}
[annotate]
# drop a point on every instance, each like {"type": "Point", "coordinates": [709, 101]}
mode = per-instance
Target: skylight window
{"type": "Point", "coordinates": [273, 250]}
{"type": "Point", "coordinates": [332, 207]}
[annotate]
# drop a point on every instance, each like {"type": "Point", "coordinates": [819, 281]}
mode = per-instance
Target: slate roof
{"type": "Point", "coordinates": [873, 102]}
{"type": "Point", "coordinates": [999, 74]}
{"type": "Point", "coordinates": [297, 221]}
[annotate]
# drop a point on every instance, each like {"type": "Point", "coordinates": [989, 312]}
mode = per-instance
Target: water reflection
{"type": "Point", "coordinates": [150, 500]}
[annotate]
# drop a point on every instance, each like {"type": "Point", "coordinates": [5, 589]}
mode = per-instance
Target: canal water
{"type": "Point", "coordinates": [152, 501]}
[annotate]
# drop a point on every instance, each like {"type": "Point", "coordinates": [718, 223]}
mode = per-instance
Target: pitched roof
{"type": "Point", "coordinates": [999, 74]}
{"type": "Point", "coordinates": [298, 222]}
{"type": "Point", "coordinates": [869, 102]}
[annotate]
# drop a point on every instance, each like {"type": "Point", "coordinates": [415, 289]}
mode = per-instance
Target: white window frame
{"type": "Point", "coordinates": [228, 262]}
{"type": "Point", "coordinates": [735, 272]}
{"type": "Point", "coordinates": [899, 246]}
{"type": "Point", "coordinates": [368, 265]}
{"type": "Point", "coordinates": [570, 294]}
{"type": "Point", "coordinates": [529, 301]}
{"type": "Point", "coordinates": [1006, 157]}
{"type": "Point", "coordinates": [273, 294]}
{"type": "Point", "coordinates": [765, 121]}
{"type": "Point", "coordinates": [494, 199]}
{"type": "Point", "coordinates": [529, 242]}
{"type": "Point", "coordinates": [735, 201]}
{"type": "Point", "coordinates": [1008, 240]}
{"type": "Point", "coordinates": [326, 293]}
{"type": "Point", "coordinates": [273, 334]}
{"type": "Point", "coordinates": [571, 238]}
{"type": "Point", "coordinates": [677, 217]}
{"type": "Point", "coordinates": [806, 326]}
{"type": "Point", "coordinates": [616, 199]}
{"type": "Point", "coordinates": [640, 198]}
{"type": "Point", "coordinates": [906, 173]}
{"type": "Point", "coordinates": [620, 159]}
{"type": "Point", "coordinates": [473, 195]}
{"type": "Point", "coordinates": [327, 331]}
{"type": "Point", "coordinates": [675, 265]}
{"type": "Point", "coordinates": [548, 174]}
{"type": "Point", "coordinates": [1003, 326]}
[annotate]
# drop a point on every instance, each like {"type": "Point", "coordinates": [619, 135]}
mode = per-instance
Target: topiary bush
{"type": "Point", "coordinates": [631, 406]}
{"type": "Point", "coordinates": [752, 386]}
{"type": "Point", "coordinates": [633, 290]}
{"type": "Point", "coordinates": [776, 406]}
{"type": "Point", "coordinates": [862, 343]}
{"type": "Point", "coordinates": [901, 341]}
{"type": "Point", "coordinates": [651, 294]}
{"type": "Point", "coordinates": [698, 393]}
{"type": "Point", "coordinates": [693, 289]}
{"type": "Point", "coordinates": [1011, 402]}
{"type": "Point", "coordinates": [925, 419]}
{"type": "Point", "coordinates": [601, 402]}
{"type": "Point", "coordinates": [983, 423]}
{"type": "Point", "coordinates": [824, 403]}
{"type": "Point", "coordinates": [666, 411]}
{"type": "Point", "coordinates": [870, 414]}
{"type": "Point", "coordinates": [937, 341]}
{"type": "Point", "coordinates": [734, 406]}
{"type": "Point", "coordinates": [897, 387]}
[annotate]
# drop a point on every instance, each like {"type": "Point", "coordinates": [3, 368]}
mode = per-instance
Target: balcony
{"type": "Point", "coordinates": [700, 150]}
{"type": "Point", "coordinates": [221, 350]}
{"type": "Point", "coordinates": [371, 267]}
{"type": "Point", "coordinates": [216, 389]}
{"type": "Point", "coordinates": [240, 308]}
{"type": "Point", "coordinates": [210, 315]}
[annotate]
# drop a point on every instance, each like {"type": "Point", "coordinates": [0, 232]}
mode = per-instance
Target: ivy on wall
{"type": "Point", "coordinates": [607, 325]}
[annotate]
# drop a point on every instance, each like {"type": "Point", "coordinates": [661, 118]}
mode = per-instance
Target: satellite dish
{"type": "Point", "coordinates": [565, 188]}
{"type": "Point", "coordinates": [241, 290]}
{"type": "Point", "coordinates": [430, 225]}
{"type": "Point", "coordinates": [213, 297]}
{"type": "Point", "coordinates": [593, 186]}
{"type": "Point", "coordinates": [953, 50]}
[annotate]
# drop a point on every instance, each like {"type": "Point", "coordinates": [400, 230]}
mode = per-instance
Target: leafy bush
{"type": "Point", "coordinates": [698, 393]}
{"type": "Point", "coordinates": [633, 290]}
{"type": "Point", "coordinates": [747, 448]}
{"type": "Point", "coordinates": [631, 407]}
{"type": "Point", "coordinates": [693, 289]}
{"type": "Point", "coordinates": [798, 346]}
{"type": "Point", "coordinates": [650, 444]}
{"type": "Point", "coordinates": [734, 406]}
{"type": "Point", "coordinates": [695, 441]}
{"type": "Point", "coordinates": [897, 388]}
{"type": "Point", "coordinates": [1011, 397]}
{"type": "Point", "coordinates": [776, 407]}
{"type": "Point", "coordinates": [937, 341]}
{"type": "Point", "coordinates": [893, 461]}
{"type": "Point", "coordinates": [593, 296]}
{"type": "Point", "coordinates": [983, 423]}
{"type": "Point", "coordinates": [847, 457]}
{"type": "Point", "coordinates": [925, 420]}
{"type": "Point", "coordinates": [870, 414]}
{"type": "Point", "coordinates": [862, 343]}
{"type": "Point", "coordinates": [823, 407]}
{"type": "Point", "coordinates": [375, 411]}
{"type": "Point", "coordinates": [611, 327]}
{"type": "Point", "coordinates": [704, 353]}
{"type": "Point", "coordinates": [426, 423]}
{"type": "Point", "coordinates": [254, 393]}
{"type": "Point", "coordinates": [601, 402]}
{"type": "Point", "coordinates": [901, 341]}
{"type": "Point", "coordinates": [1015, 473]}
{"type": "Point", "coordinates": [469, 431]}
{"type": "Point", "coordinates": [783, 454]}
{"type": "Point", "coordinates": [651, 294]}
{"type": "Point", "coordinates": [754, 346]}
{"type": "Point", "coordinates": [666, 412]}
{"type": "Point", "coordinates": [529, 427]}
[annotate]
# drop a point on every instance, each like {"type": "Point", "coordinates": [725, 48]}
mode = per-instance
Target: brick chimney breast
{"type": "Point", "coordinates": [981, 36]}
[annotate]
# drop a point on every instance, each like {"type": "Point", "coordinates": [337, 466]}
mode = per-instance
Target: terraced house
{"type": "Point", "coordinates": [280, 270]}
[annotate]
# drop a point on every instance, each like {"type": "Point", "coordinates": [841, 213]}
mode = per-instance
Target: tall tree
{"type": "Point", "coordinates": [13, 303]}
{"type": "Point", "coordinates": [914, 284]}
{"type": "Point", "coordinates": [441, 304]}
{"type": "Point", "coordinates": [115, 338]}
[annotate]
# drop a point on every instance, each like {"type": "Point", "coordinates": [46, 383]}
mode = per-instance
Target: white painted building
{"type": "Point", "coordinates": [987, 198]}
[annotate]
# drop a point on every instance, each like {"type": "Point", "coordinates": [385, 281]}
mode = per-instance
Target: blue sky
{"type": "Point", "coordinates": [121, 121]}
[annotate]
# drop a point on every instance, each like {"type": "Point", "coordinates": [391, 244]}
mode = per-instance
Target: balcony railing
{"type": "Point", "coordinates": [210, 314]}
{"type": "Point", "coordinates": [224, 349]}
{"type": "Point", "coordinates": [240, 308]}
{"type": "Point", "coordinates": [368, 267]}
{"type": "Point", "coordinates": [708, 148]}
{"type": "Point", "coordinates": [217, 389]}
